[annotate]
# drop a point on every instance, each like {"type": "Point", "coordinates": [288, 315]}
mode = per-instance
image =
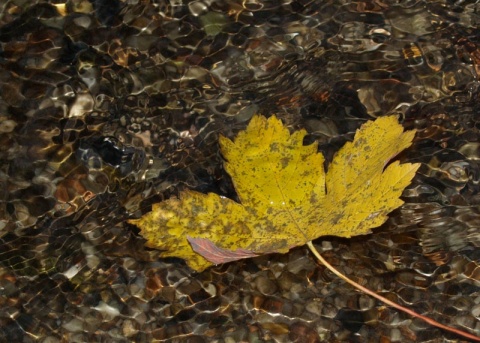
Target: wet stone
{"type": "Point", "coordinates": [265, 285]}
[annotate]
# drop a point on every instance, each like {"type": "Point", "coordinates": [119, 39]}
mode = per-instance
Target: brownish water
{"type": "Point", "coordinates": [109, 106]}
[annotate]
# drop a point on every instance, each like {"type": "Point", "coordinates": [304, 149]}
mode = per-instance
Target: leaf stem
{"type": "Point", "coordinates": [387, 301]}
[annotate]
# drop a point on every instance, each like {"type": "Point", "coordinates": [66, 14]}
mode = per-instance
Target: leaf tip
{"type": "Point", "coordinates": [133, 221]}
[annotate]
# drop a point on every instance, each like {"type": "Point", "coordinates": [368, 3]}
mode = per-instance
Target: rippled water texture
{"type": "Point", "coordinates": [108, 106]}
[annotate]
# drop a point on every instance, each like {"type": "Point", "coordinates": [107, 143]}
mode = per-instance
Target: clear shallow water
{"type": "Point", "coordinates": [107, 107]}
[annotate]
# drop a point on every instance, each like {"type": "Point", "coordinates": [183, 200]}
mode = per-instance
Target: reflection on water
{"type": "Point", "coordinates": [109, 106]}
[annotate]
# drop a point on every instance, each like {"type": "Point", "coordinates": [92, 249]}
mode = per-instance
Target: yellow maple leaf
{"type": "Point", "coordinates": [286, 198]}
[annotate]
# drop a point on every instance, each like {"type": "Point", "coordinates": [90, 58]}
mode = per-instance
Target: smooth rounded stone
{"type": "Point", "coordinates": [463, 303]}
{"type": "Point", "coordinates": [7, 285]}
{"type": "Point", "coordinates": [465, 321]}
{"type": "Point", "coordinates": [286, 280]}
{"type": "Point", "coordinates": [276, 329]}
{"type": "Point", "coordinates": [78, 338]}
{"type": "Point", "coordinates": [314, 306]}
{"type": "Point", "coordinates": [109, 311]}
{"type": "Point", "coordinates": [475, 311]}
{"type": "Point", "coordinates": [115, 331]}
{"type": "Point", "coordinates": [135, 307]}
{"type": "Point", "coordinates": [416, 324]}
{"type": "Point", "coordinates": [265, 285]}
{"type": "Point", "coordinates": [82, 104]}
{"type": "Point", "coordinates": [138, 288]}
{"type": "Point", "coordinates": [296, 291]}
{"type": "Point", "coordinates": [141, 318]}
{"type": "Point", "coordinates": [7, 126]}
{"type": "Point", "coordinates": [92, 320]}
{"type": "Point", "coordinates": [298, 262]}
{"type": "Point", "coordinates": [372, 316]}
{"type": "Point", "coordinates": [410, 295]}
{"type": "Point", "coordinates": [24, 218]}
{"type": "Point", "coordinates": [366, 302]}
{"type": "Point", "coordinates": [74, 325]}
{"type": "Point", "coordinates": [396, 335]}
{"type": "Point", "coordinates": [393, 318]}
{"type": "Point", "coordinates": [93, 261]}
{"type": "Point", "coordinates": [299, 331]}
{"type": "Point", "coordinates": [130, 264]}
{"type": "Point", "coordinates": [329, 310]}
{"type": "Point", "coordinates": [121, 291]}
{"type": "Point", "coordinates": [341, 302]}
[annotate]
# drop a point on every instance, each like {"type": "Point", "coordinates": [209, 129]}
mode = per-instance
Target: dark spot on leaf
{"type": "Point", "coordinates": [337, 218]}
{"type": "Point", "coordinates": [285, 162]}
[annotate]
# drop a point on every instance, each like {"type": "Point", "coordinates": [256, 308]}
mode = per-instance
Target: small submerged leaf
{"type": "Point", "coordinates": [286, 198]}
{"type": "Point", "coordinates": [214, 254]}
